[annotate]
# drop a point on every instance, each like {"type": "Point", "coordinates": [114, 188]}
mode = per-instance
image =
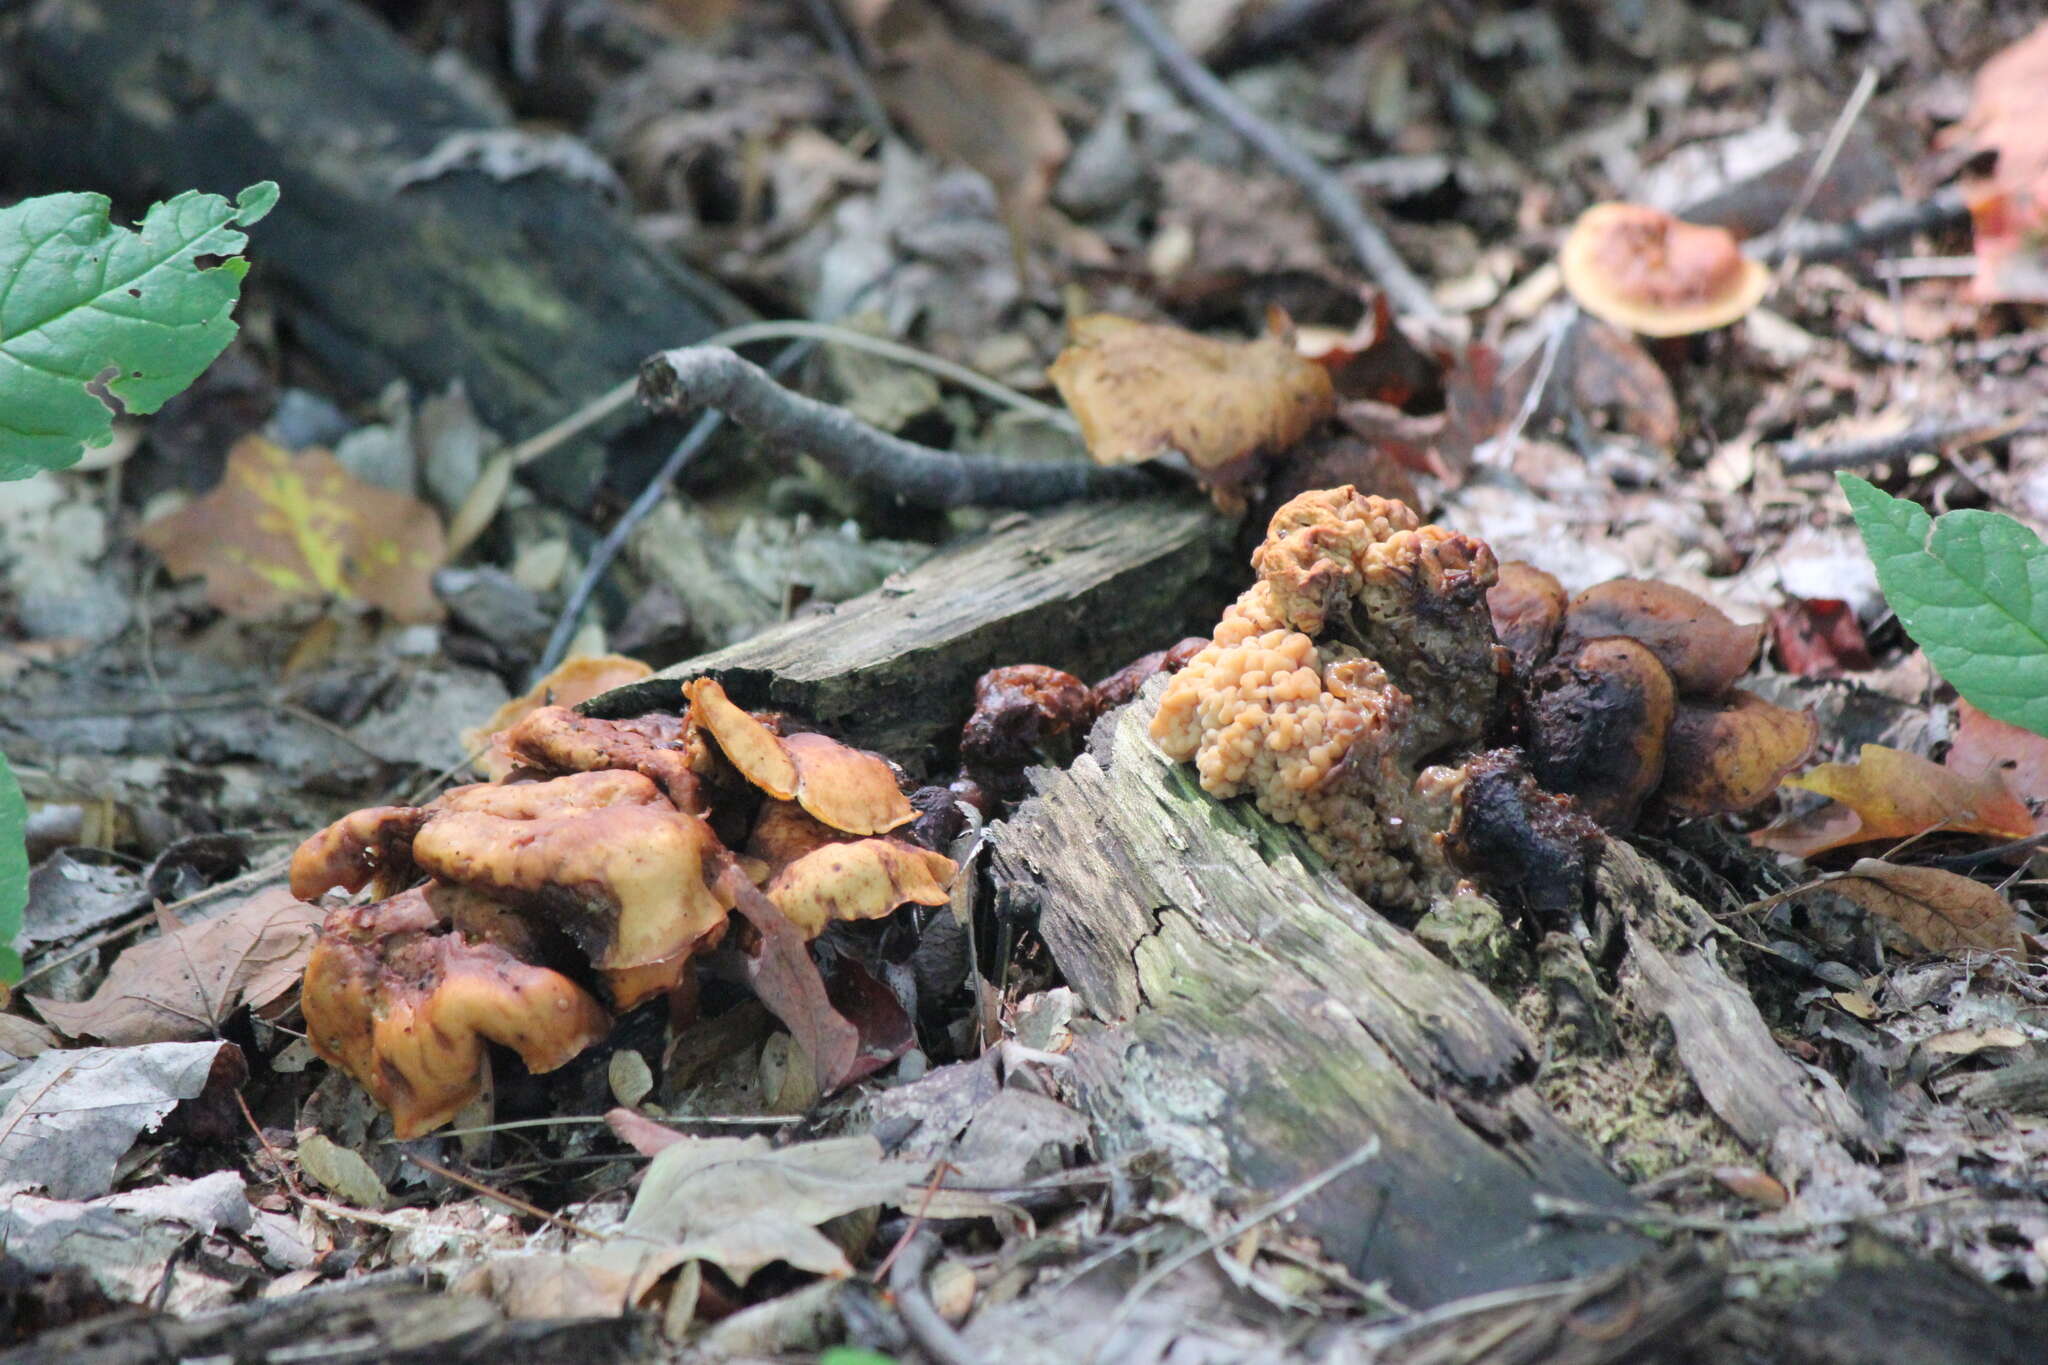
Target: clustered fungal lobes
{"type": "Point", "coordinates": [1362, 655]}
{"type": "Point", "coordinates": [592, 865]}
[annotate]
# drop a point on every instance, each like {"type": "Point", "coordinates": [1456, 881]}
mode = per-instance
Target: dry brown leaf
{"type": "Point", "coordinates": [1895, 795]}
{"type": "Point", "coordinates": [572, 682]}
{"type": "Point", "coordinates": [2009, 208]}
{"type": "Point", "coordinates": [1941, 911]}
{"type": "Point", "coordinates": [2017, 757]}
{"type": "Point", "coordinates": [280, 528]}
{"type": "Point", "coordinates": [1144, 390]}
{"type": "Point", "coordinates": [182, 985]}
{"type": "Point", "coordinates": [967, 106]}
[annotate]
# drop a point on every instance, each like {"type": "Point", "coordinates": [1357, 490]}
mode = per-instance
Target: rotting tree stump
{"type": "Point", "coordinates": [1263, 1023]}
{"type": "Point", "coordinates": [1084, 588]}
{"type": "Point", "coordinates": [533, 290]}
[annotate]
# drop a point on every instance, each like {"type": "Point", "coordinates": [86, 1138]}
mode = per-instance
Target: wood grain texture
{"type": "Point", "coordinates": [1264, 1023]}
{"type": "Point", "coordinates": [1085, 588]}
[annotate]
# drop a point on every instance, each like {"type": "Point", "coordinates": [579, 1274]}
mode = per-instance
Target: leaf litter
{"type": "Point", "coordinates": [1623, 460]}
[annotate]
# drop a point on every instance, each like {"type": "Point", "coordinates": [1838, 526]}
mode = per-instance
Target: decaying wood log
{"type": "Point", "coordinates": [1085, 588]}
{"type": "Point", "coordinates": [379, 1322]}
{"type": "Point", "coordinates": [1673, 971]}
{"type": "Point", "coordinates": [1265, 1023]}
{"type": "Point", "coordinates": [532, 290]}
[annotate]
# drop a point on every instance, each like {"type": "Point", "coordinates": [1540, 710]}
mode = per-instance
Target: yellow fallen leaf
{"type": "Point", "coordinates": [1889, 794]}
{"type": "Point", "coordinates": [280, 528]}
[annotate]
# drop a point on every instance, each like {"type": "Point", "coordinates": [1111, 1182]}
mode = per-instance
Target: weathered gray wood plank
{"type": "Point", "coordinates": [1264, 1023]}
{"type": "Point", "coordinates": [1084, 588]}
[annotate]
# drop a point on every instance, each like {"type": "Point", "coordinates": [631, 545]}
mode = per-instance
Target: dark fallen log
{"type": "Point", "coordinates": [1264, 1023]}
{"type": "Point", "coordinates": [533, 291]}
{"type": "Point", "coordinates": [1086, 588]}
{"type": "Point", "coordinates": [381, 1322]}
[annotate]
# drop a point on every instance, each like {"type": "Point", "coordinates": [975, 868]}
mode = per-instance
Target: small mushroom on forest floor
{"type": "Point", "coordinates": [402, 1002]}
{"type": "Point", "coordinates": [847, 788]}
{"type": "Point", "coordinates": [1659, 276]}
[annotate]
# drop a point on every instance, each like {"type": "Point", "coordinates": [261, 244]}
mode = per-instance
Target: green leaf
{"type": "Point", "coordinates": [13, 871]}
{"type": "Point", "coordinates": [854, 1355]}
{"type": "Point", "coordinates": [1971, 588]}
{"type": "Point", "coordinates": [82, 299]}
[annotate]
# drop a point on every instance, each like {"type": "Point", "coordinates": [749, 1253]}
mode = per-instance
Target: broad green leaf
{"type": "Point", "coordinates": [13, 870]}
{"type": "Point", "coordinates": [1971, 588]}
{"type": "Point", "coordinates": [83, 300]}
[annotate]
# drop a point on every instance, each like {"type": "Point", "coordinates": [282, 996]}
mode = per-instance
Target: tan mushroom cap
{"type": "Point", "coordinates": [406, 1010]}
{"type": "Point", "coordinates": [629, 883]}
{"type": "Point", "coordinates": [847, 788]}
{"type": "Point", "coordinates": [865, 879]}
{"type": "Point", "coordinates": [1640, 268]}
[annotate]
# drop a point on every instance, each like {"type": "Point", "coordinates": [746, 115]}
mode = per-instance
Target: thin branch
{"type": "Point", "coordinates": [713, 377]}
{"type": "Point", "coordinates": [510, 1201]}
{"type": "Point", "coordinates": [1885, 223]}
{"type": "Point", "coordinates": [921, 1317]}
{"type": "Point", "coordinates": [1343, 210]}
{"type": "Point", "coordinates": [1866, 86]}
{"type": "Point", "coordinates": [1921, 436]}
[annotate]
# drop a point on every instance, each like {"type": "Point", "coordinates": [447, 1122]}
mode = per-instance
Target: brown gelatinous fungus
{"type": "Point", "coordinates": [1144, 390]}
{"type": "Point", "coordinates": [1644, 270]}
{"type": "Point", "coordinates": [1704, 650]}
{"type": "Point", "coordinates": [572, 681]}
{"type": "Point", "coordinates": [365, 846]}
{"type": "Point", "coordinates": [1728, 756]}
{"type": "Point", "coordinates": [1288, 703]}
{"type": "Point", "coordinates": [1124, 684]}
{"type": "Point", "coordinates": [404, 1004]}
{"type": "Point", "coordinates": [1527, 606]}
{"type": "Point", "coordinates": [1024, 714]}
{"type": "Point", "coordinates": [864, 879]}
{"type": "Point", "coordinates": [1533, 848]}
{"type": "Point", "coordinates": [629, 883]}
{"type": "Point", "coordinates": [1597, 724]}
{"type": "Point", "coordinates": [849, 789]}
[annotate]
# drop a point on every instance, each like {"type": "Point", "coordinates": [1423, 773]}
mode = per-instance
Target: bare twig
{"type": "Point", "coordinates": [825, 18]}
{"type": "Point", "coordinates": [511, 1201]}
{"type": "Point", "coordinates": [1343, 210]}
{"type": "Point", "coordinates": [1272, 1209]}
{"type": "Point", "coordinates": [1921, 436]}
{"type": "Point", "coordinates": [1852, 109]}
{"type": "Point", "coordinates": [1886, 223]}
{"type": "Point", "coordinates": [921, 1318]}
{"type": "Point", "coordinates": [711, 376]}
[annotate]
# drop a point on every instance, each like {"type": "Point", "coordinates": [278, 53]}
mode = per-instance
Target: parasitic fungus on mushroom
{"type": "Point", "coordinates": [1650, 273]}
{"type": "Point", "coordinates": [1362, 655]}
{"type": "Point", "coordinates": [592, 866]}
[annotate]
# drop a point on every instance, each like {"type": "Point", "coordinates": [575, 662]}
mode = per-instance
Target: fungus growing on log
{"type": "Point", "coordinates": [608, 877]}
{"type": "Point", "coordinates": [403, 1002]}
{"type": "Point", "coordinates": [1363, 652]}
{"type": "Point", "coordinates": [1650, 273]}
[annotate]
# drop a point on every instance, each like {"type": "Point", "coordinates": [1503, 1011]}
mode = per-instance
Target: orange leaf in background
{"type": "Point", "coordinates": [2017, 757]}
{"type": "Point", "coordinates": [1142, 390]}
{"type": "Point", "coordinates": [1888, 794]}
{"type": "Point", "coordinates": [2009, 210]}
{"type": "Point", "coordinates": [1941, 911]}
{"type": "Point", "coordinates": [281, 528]}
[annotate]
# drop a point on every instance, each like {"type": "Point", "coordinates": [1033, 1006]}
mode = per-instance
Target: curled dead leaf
{"type": "Point", "coordinates": [1144, 390]}
{"type": "Point", "coordinates": [1728, 756]}
{"type": "Point", "coordinates": [1888, 794]}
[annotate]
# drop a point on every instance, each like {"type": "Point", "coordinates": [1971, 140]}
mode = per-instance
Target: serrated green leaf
{"type": "Point", "coordinates": [13, 871]}
{"type": "Point", "coordinates": [81, 299]}
{"type": "Point", "coordinates": [1971, 588]}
